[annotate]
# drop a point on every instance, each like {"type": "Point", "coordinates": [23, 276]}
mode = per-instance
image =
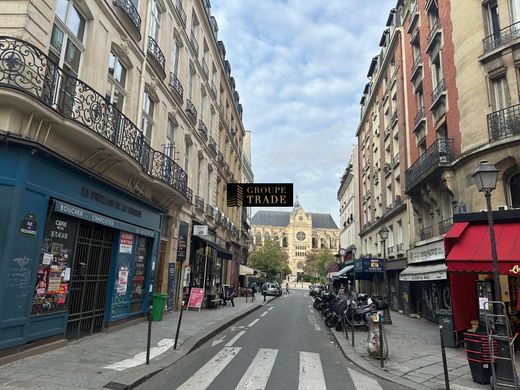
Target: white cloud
{"type": "Point", "coordinates": [300, 68]}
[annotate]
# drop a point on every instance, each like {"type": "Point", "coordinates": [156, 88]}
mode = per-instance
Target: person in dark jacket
{"type": "Point", "coordinates": [231, 294]}
{"type": "Point", "coordinates": [264, 290]}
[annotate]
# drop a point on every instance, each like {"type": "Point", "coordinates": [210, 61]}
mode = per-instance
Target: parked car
{"type": "Point", "coordinates": [274, 289]}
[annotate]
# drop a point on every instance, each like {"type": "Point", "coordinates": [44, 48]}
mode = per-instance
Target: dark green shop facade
{"type": "Point", "coordinates": [77, 254]}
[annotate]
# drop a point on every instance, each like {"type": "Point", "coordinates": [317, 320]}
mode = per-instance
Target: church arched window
{"type": "Point", "coordinates": [514, 190]}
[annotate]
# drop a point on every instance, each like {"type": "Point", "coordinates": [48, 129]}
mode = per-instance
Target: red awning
{"type": "Point", "coordinates": [469, 249]}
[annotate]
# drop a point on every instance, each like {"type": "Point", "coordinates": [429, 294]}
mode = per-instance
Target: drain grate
{"type": "Point", "coordinates": [116, 386]}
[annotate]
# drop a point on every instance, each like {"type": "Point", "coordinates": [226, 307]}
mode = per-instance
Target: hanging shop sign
{"type": "Point", "coordinates": [200, 230]}
{"type": "Point", "coordinates": [369, 265]}
{"type": "Point", "coordinates": [196, 297]}
{"type": "Point", "coordinates": [29, 226]}
{"type": "Point", "coordinates": [182, 241]}
{"type": "Point", "coordinates": [259, 194]}
{"type": "Point", "coordinates": [171, 286]}
{"type": "Point", "coordinates": [429, 252]}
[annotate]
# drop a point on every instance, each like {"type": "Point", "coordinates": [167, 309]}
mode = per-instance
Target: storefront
{"type": "Point", "coordinates": [470, 266]}
{"type": "Point", "coordinates": [425, 286]}
{"type": "Point", "coordinates": [393, 269]}
{"type": "Point", "coordinates": [78, 253]}
{"type": "Point", "coordinates": [369, 273]}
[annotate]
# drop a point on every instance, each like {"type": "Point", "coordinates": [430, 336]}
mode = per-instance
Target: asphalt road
{"type": "Point", "coordinates": [283, 345]}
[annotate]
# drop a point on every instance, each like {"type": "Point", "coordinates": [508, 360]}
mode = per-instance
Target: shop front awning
{"type": "Point", "coordinates": [343, 272]}
{"type": "Point", "coordinates": [470, 248]}
{"type": "Point", "coordinates": [221, 252]}
{"type": "Point", "coordinates": [245, 270]}
{"type": "Point", "coordinates": [420, 272]}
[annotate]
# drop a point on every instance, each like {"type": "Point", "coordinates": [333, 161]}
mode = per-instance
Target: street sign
{"type": "Point", "coordinates": [200, 230]}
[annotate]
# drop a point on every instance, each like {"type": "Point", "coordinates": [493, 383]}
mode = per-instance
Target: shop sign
{"type": "Point", "coordinates": [122, 280]}
{"type": "Point", "coordinates": [126, 242]}
{"type": "Point", "coordinates": [440, 275]}
{"type": "Point", "coordinates": [515, 269]}
{"type": "Point", "coordinates": [259, 194]}
{"type": "Point", "coordinates": [200, 230]}
{"type": "Point", "coordinates": [171, 286]}
{"type": "Point", "coordinates": [369, 265]}
{"type": "Point", "coordinates": [182, 241]}
{"type": "Point", "coordinates": [196, 297]}
{"type": "Point", "coordinates": [428, 252]}
{"type": "Point", "coordinates": [29, 226]}
{"type": "Point", "coordinates": [187, 274]}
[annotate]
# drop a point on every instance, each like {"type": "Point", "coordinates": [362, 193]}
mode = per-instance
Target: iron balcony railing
{"type": "Point", "coordinates": [387, 169]}
{"type": "Point", "coordinates": [180, 11]}
{"type": "Point", "coordinates": [210, 211]}
{"type": "Point", "coordinates": [131, 12]}
{"type": "Point", "coordinates": [176, 85]}
{"type": "Point", "coordinates": [394, 117]}
{"type": "Point", "coordinates": [387, 132]}
{"type": "Point", "coordinates": [190, 109]}
{"type": "Point", "coordinates": [390, 250]}
{"type": "Point", "coordinates": [416, 65]}
{"type": "Point", "coordinates": [189, 195]}
{"type": "Point", "coordinates": [212, 145]}
{"type": "Point", "coordinates": [418, 117]}
{"type": "Point", "coordinates": [203, 129]}
{"type": "Point", "coordinates": [506, 35]}
{"type": "Point", "coordinates": [27, 69]}
{"type": "Point", "coordinates": [433, 32]}
{"type": "Point", "coordinates": [396, 159]}
{"type": "Point", "coordinates": [504, 123]}
{"type": "Point", "coordinates": [155, 51]}
{"type": "Point", "coordinates": [438, 91]}
{"type": "Point", "coordinates": [440, 152]}
{"type": "Point", "coordinates": [213, 89]}
{"type": "Point", "coordinates": [205, 68]}
{"type": "Point", "coordinates": [426, 233]}
{"type": "Point", "coordinates": [194, 44]}
{"type": "Point", "coordinates": [199, 203]}
{"type": "Point", "coordinates": [400, 248]}
{"type": "Point", "coordinates": [445, 225]}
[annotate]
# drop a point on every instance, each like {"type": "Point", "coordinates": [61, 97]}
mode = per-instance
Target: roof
{"type": "Point", "coordinates": [282, 218]}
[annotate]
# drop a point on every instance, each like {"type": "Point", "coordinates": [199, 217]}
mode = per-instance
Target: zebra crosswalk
{"type": "Point", "coordinates": [310, 376]}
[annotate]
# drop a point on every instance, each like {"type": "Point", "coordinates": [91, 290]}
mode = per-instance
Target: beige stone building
{"type": "Point", "coordinates": [128, 125]}
{"type": "Point", "coordinates": [298, 232]}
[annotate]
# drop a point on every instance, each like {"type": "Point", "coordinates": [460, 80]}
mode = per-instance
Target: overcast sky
{"type": "Point", "coordinates": [300, 67]}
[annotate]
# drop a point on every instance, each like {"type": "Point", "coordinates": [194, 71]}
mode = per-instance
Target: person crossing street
{"type": "Point", "coordinates": [264, 290]}
{"type": "Point", "coordinates": [287, 288]}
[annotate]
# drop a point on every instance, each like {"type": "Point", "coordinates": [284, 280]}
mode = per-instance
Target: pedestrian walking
{"type": "Point", "coordinates": [231, 294]}
{"type": "Point", "coordinates": [253, 291]}
{"type": "Point", "coordinates": [264, 290]}
{"type": "Point", "coordinates": [287, 288]}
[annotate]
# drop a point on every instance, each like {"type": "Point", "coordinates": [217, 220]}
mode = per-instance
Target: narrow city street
{"type": "Point", "coordinates": [284, 345]}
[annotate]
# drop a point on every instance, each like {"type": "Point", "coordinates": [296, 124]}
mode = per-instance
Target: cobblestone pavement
{"type": "Point", "coordinates": [119, 356]}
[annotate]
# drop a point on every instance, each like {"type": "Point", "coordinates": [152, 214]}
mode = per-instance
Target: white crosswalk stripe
{"type": "Point", "coordinates": [363, 382]}
{"type": "Point", "coordinates": [209, 371]}
{"type": "Point", "coordinates": [311, 372]}
{"type": "Point", "coordinates": [258, 372]}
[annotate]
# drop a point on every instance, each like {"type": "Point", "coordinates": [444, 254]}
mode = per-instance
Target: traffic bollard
{"type": "Point", "coordinates": [381, 345]}
{"type": "Point", "coordinates": [444, 362]}
{"type": "Point", "coordinates": [178, 326]}
{"type": "Point", "coordinates": [149, 335]}
{"type": "Point", "coordinates": [352, 325]}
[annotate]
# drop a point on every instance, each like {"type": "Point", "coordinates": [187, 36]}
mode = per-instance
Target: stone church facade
{"type": "Point", "coordinates": [297, 232]}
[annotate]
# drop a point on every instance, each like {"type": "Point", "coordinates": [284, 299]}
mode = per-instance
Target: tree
{"type": "Point", "coordinates": [324, 260]}
{"type": "Point", "coordinates": [270, 258]}
{"type": "Point", "coordinates": [310, 268]}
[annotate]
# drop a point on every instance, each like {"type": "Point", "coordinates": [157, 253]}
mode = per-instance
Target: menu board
{"type": "Point", "coordinates": [54, 269]}
{"type": "Point", "coordinates": [196, 297]}
{"type": "Point", "coordinates": [139, 275]}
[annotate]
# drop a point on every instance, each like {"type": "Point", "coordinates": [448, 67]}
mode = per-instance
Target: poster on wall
{"type": "Point", "coordinates": [171, 286]}
{"type": "Point", "coordinates": [122, 280]}
{"type": "Point", "coordinates": [182, 241]}
{"type": "Point", "coordinates": [196, 297]}
{"type": "Point", "coordinates": [54, 268]}
{"type": "Point", "coordinates": [126, 242]}
{"type": "Point", "coordinates": [187, 274]}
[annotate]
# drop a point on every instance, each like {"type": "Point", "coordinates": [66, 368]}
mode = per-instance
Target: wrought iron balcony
{"type": "Point", "coordinates": [199, 203]}
{"type": "Point", "coordinates": [387, 132]}
{"type": "Point", "coordinates": [438, 91]}
{"type": "Point", "coordinates": [426, 233]}
{"type": "Point", "coordinates": [190, 109]}
{"type": "Point", "coordinates": [390, 250]}
{"type": "Point", "coordinates": [504, 123]}
{"type": "Point", "coordinates": [203, 129]}
{"type": "Point", "coordinates": [433, 33]}
{"type": "Point", "coordinates": [213, 89]}
{"type": "Point", "coordinates": [395, 160]}
{"type": "Point", "coordinates": [387, 169]}
{"type": "Point", "coordinates": [156, 53]}
{"type": "Point", "coordinates": [205, 70]}
{"type": "Point", "coordinates": [212, 145]}
{"type": "Point", "coordinates": [176, 85]}
{"type": "Point", "coordinates": [131, 12]}
{"type": "Point", "coordinates": [419, 117]}
{"type": "Point", "coordinates": [189, 195]}
{"type": "Point", "coordinates": [417, 64]}
{"type": "Point", "coordinates": [505, 36]}
{"type": "Point", "coordinates": [366, 196]}
{"type": "Point", "coordinates": [27, 69]}
{"type": "Point", "coordinates": [217, 215]}
{"type": "Point", "coordinates": [394, 117]}
{"type": "Point", "coordinates": [445, 225]}
{"type": "Point", "coordinates": [439, 153]}
{"type": "Point", "coordinates": [180, 12]}
{"type": "Point", "coordinates": [210, 211]}
{"type": "Point", "coordinates": [194, 44]}
{"type": "Point", "coordinates": [399, 248]}
{"type": "Point", "coordinates": [220, 157]}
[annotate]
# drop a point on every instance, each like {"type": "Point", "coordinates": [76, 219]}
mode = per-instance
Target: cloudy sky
{"type": "Point", "coordinates": [300, 68]}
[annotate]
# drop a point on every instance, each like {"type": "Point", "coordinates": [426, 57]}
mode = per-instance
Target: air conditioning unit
{"type": "Point", "coordinates": [502, 208]}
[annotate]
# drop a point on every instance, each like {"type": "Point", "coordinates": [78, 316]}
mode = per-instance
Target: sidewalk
{"type": "Point", "coordinates": [414, 356]}
{"type": "Point", "coordinates": [117, 358]}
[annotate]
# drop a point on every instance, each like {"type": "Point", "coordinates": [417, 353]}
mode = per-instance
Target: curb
{"type": "Point", "coordinates": [196, 341]}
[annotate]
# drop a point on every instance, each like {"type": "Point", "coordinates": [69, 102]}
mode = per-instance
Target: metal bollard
{"type": "Point", "coordinates": [444, 362]}
{"type": "Point", "coordinates": [352, 325]}
{"type": "Point", "coordinates": [381, 345]}
{"type": "Point", "coordinates": [149, 335]}
{"type": "Point", "coordinates": [178, 326]}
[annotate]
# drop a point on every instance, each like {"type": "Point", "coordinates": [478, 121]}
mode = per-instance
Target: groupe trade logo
{"type": "Point", "coordinates": [259, 194]}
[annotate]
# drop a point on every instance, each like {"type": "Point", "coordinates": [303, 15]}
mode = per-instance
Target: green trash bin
{"type": "Point", "coordinates": [159, 300]}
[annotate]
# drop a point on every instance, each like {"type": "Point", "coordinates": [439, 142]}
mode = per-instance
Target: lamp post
{"type": "Point", "coordinates": [383, 233]}
{"type": "Point", "coordinates": [353, 251]}
{"type": "Point", "coordinates": [485, 178]}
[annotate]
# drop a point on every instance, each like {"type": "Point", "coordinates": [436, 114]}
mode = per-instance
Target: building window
{"type": "Point", "coordinates": [116, 82]}
{"type": "Point", "coordinates": [186, 156]}
{"type": "Point", "coordinates": [436, 71]}
{"type": "Point", "coordinates": [202, 104]}
{"type": "Point", "coordinates": [147, 120]}
{"type": "Point", "coordinates": [500, 93]}
{"type": "Point", "coordinates": [190, 85]}
{"type": "Point", "coordinates": [155, 20]}
{"type": "Point", "coordinates": [169, 147]}
{"type": "Point", "coordinates": [208, 189]}
{"type": "Point", "coordinates": [514, 190]}
{"type": "Point", "coordinates": [175, 57]}
{"type": "Point", "coordinates": [493, 20]}
{"type": "Point", "coordinates": [515, 11]}
{"type": "Point", "coordinates": [199, 169]}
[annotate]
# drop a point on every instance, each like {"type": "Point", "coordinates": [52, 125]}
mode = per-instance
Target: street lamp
{"type": "Point", "coordinates": [485, 178]}
{"type": "Point", "coordinates": [353, 251]}
{"type": "Point", "coordinates": [383, 233]}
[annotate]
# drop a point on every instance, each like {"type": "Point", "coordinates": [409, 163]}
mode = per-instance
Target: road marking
{"type": "Point", "coordinates": [271, 308]}
{"type": "Point", "coordinates": [253, 322]}
{"type": "Point", "coordinates": [237, 336]}
{"type": "Point", "coordinates": [259, 370]}
{"type": "Point", "coordinates": [312, 311]}
{"type": "Point", "coordinates": [363, 382]}
{"type": "Point", "coordinates": [140, 358]}
{"type": "Point", "coordinates": [220, 340]}
{"type": "Point", "coordinates": [317, 327]}
{"type": "Point", "coordinates": [209, 371]}
{"type": "Point", "coordinates": [241, 327]}
{"type": "Point", "coordinates": [264, 313]}
{"type": "Point", "coordinates": [311, 372]}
